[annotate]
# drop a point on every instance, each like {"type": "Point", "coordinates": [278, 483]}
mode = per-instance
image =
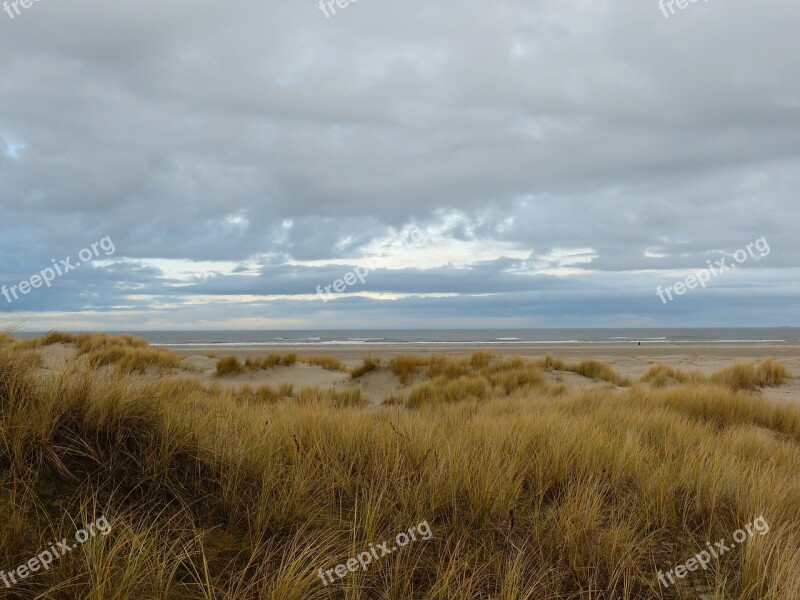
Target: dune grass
{"type": "Point", "coordinates": [351, 397]}
{"type": "Point", "coordinates": [265, 393]}
{"type": "Point", "coordinates": [552, 363]}
{"type": "Point", "coordinates": [132, 359]}
{"type": "Point", "coordinates": [57, 337]}
{"type": "Point", "coordinates": [480, 363]}
{"type": "Point", "coordinates": [406, 367]}
{"type": "Point", "coordinates": [125, 352]}
{"type": "Point", "coordinates": [326, 362]}
{"type": "Point", "coordinates": [367, 364]}
{"type": "Point", "coordinates": [443, 390]}
{"type": "Point", "coordinates": [749, 376]}
{"type": "Point", "coordinates": [743, 375]}
{"type": "Point", "coordinates": [229, 366]}
{"type": "Point", "coordinates": [594, 369]}
{"type": "Point", "coordinates": [93, 342]}
{"type": "Point", "coordinates": [272, 360]}
{"type": "Point", "coordinates": [218, 493]}
{"type": "Point", "coordinates": [480, 359]}
{"type": "Point", "coordinates": [659, 375]}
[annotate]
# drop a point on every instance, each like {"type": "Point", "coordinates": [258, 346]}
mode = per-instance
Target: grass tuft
{"type": "Point", "coordinates": [750, 376]}
{"type": "Point", "coordinates": [347, 398]}
{"type": "Point", "coordinates": [661, 374]}
{"type": "Point", "coordinates": [443, 390]}
{"type": "Point", "coordinates": [367, 365]}
{"type": "Point", "coordinates": [594, 369]}
{"type": "Point", "coordinates": [551, 363]}
{"type": "Point", "coordinates": [406, 367]}
{"type": "Point", "coordinates": [130, 359]}
{"type": "Point", "coordinates": [480, 359]}
{"type": "Point", "coordinates": [326, 362]}
{"type": "Point", "coordinates": [229, 366]}
{"type": "Point", "coordinates": [57, 337]}
{"type": "Point", "coordinates": [272, 360]}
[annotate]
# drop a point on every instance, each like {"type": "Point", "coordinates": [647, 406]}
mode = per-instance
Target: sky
{"type": "Point", "coordinates": [515, 163]}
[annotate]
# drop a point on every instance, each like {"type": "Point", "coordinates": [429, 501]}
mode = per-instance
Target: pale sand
{"type": "Point", "coordinates": [630, 360]}
{"type": "Point", "coordinates": [55, 356]}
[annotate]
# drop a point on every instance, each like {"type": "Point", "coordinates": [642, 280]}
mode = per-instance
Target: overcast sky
{"type": "Point", "coordinates": [514, 163]}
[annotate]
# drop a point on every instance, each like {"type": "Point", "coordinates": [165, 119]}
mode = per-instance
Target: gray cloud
{"type": "Point", "coordinates": [267, 136]}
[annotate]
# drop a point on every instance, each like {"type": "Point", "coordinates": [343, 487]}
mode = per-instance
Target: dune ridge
{"type": "Point", "coordinates": [533, 488]}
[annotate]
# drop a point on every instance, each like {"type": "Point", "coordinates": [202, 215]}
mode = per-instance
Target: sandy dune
{"type": "Point", "coordinates": [378, 385]}
{"type": "Point", "coordinates": [631, 361]}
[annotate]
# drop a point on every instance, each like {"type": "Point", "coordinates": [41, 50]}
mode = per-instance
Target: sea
{"type": "Point", "coordinates": [470, 337]}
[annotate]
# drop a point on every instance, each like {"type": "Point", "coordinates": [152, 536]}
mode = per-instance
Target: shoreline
{"type": "Point", "coordinates": [345, 351]}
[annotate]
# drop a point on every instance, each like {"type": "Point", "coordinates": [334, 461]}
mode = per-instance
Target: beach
{"type": "Point", "coordinates": [630, 360]}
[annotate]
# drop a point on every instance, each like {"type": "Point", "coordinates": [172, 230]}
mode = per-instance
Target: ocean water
{"type": "Point", "coordinates": [471, 337]}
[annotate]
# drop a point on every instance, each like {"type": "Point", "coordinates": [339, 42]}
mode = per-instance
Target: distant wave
{"type": "Point", "coordinates": [494, 342]}
{"type": "Point", "coordinates": [739, 342]}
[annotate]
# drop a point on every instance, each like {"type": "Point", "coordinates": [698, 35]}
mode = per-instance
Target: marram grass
{"type": "Point", "coordinates": [531, 490]}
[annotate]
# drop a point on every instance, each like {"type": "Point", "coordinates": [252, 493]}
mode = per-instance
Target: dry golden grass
{"type": "Point", "coordinates": [594, 369]}
{"type": "Point", "coordinates": [90, 342]}
{"type": "Point", "coordinates": [57, 337]}
{"type": "Point", "coordinates": [742, 375]}
{"type": "Point", "coordinates": [126, 352]}
{"type": "Point", "coordinates": [394, 400]}
{"type": "Point", "coordinates": [551, 363]}
{"type": "Point", "coordinates": [351, 397]}
{"type": "Point", "coordinates": [449, 368]}
{"type": "Point", "coordinates": [510, 380]}
{"type": "Point", "coordinates": [229, 366]}
{"type": "Point", "coordinates": [265, 393]}
{"type": "Point", "coordinates": [750, 376]}
{"type": "Point", "coordinates": [406, 367]}
{"type": "Point", "coordinates": [661, 374]}
{"type": "Point", "coordinates": [221, 494]}
{"type": "Point", "coordinates": [272, 360]}
{"type": "Point", "coordinates": [480, 364]}
{"type": "Point", "coordinates": [443, 390]}
{"type": "Point", "coordinates": [326, 362]}
{"type": "Point", "coordinates": [480, 359]}
{"type": "Point", "coordinates": [367, 364]}
{"type": "Point", "coordinates": [130, 358]}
